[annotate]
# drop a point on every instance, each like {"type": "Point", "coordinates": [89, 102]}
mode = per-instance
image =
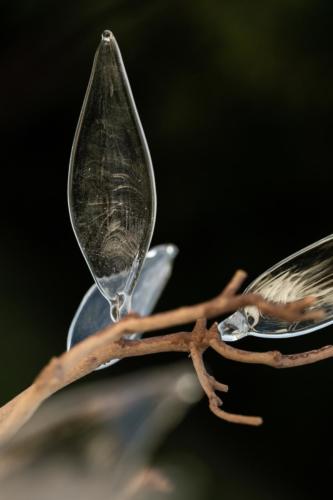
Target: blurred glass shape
{"type": "Point", "coordinates": [111, 187]}
{"type": "Point", "coordinates": [308, 272]}
{"type": "Point", "coordinates": [93, 313]}
{"type": "Point", "coordinates": [96, 441]}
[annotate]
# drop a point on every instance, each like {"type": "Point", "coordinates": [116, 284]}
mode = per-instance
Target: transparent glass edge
{"type": "Point", "coordinates": [142, 138]}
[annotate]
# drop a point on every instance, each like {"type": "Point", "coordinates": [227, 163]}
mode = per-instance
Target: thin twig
{"type": "Point", "coordinates": [270, 358]}
{"type": "Point", "coordinates": [210, 385]}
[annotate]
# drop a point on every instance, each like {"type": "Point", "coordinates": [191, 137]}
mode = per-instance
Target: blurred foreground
{"type": "Point", "coordinates": [97, 440]}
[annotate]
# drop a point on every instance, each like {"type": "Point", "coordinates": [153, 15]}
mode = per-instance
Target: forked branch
{"type": "Point", "coordinates": [110, 343]}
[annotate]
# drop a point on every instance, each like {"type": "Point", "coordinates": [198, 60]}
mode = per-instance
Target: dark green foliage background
{"type": "Point", "coordinates": [236, 99]}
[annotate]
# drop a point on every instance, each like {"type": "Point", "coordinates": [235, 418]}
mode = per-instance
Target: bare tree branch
{"type": "Point", "coordinates": [210, 385]}
{"type": "Point", "coordinates": [110, 343]}
{"type": "Point", "coordinates": [270, 358]}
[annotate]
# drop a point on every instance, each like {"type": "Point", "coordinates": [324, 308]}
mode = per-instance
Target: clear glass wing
{"type": "Point", "coordinates": [307, 272]}
{"type": "Point", "coordinates": [93, 313]}
{"type": "Point", "coordinates": [111, 188]}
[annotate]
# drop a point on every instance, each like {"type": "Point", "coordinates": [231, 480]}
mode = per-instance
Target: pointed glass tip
{"type": "Point", "coordinates": [106, 36]}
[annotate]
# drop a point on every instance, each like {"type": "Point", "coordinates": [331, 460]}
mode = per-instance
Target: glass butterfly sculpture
{"type": "Point", "coordinates": [112, 204]}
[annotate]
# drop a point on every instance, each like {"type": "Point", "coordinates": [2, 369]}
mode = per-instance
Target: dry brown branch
{"type": "Point", "coordinates": [210, 385]}
{"type": "Point", "coordinates": [110, 343]}
{"type": "Point", "coordinates": [269, 358]}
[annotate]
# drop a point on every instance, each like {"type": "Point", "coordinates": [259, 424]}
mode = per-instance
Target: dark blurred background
{"type": "Point", "coordinates": [236, 99]}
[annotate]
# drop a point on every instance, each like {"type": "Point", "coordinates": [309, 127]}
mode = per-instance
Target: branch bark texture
{"type": "Point", "coordinates": [110, 343]}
